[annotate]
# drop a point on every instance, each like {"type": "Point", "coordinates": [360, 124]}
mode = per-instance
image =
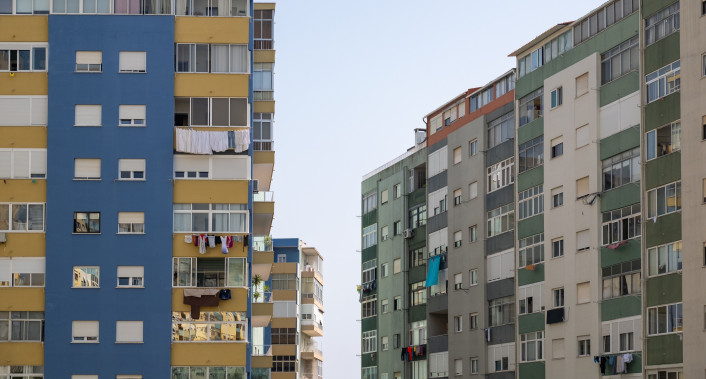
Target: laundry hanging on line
{"type": "Point", "coordinates": [209, 142]}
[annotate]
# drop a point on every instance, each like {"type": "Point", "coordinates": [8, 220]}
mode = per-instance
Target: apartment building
{"type": "Point", "coordinates": [135, 140]}
{"type": "Point", "coordinates": [394, 267]}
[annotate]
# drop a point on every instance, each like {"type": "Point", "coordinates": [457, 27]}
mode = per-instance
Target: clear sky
{"type": "Point", "coordinates": [352, 81]}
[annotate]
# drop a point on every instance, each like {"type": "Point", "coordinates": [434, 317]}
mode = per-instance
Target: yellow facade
{"type": "Point", "coordinates": [284, 322]}
{"type": "Point", "coordinates": [237, 303]}
{"type": "Point", "coordinates": [263, 257]}
{"type": "Point", "coordinates": [283, 375]}
{"type": "Point", "coordinates": [27, 137]}
{"type": "Point", "coordinates": [183, 249]}
{"type": "Point", "coordinates": [284, 349]}
{"type": "Point", "coordinates": [24, 245]}
{"type": "Point", "coordinates": [261, 362]}
{"type": "Point", "coordinates": [264, 107]}
{"type": "Point", "coordinates": [284, 295]}
{"type": "Point", "coordinates": [23, 83]}
{"type": "Point", "coordinates": [16, 28]}
{"type": "Point", "coordinates": [21, 299]}
{"type": "Point", "coordinates": [211, 191]}
{"type": "Point", "coordinates": [208, 354]}
{"type": "Point", "coordinates": [232, 30]}
{"type": "Point", "coordinates": [23, 190]}
{"type": "Point", "coordinates": [264, 6]}
{"type": "Point", "coordinates": [284, 268]}
{"type": "Point", "coordinates": [264, 157]}
{"type": "Point", "coordinates": [264, 56]}
{"type": "Point", "coordinates": [22, 353]}
{"type": "Point", "coordinates": [211, 85]}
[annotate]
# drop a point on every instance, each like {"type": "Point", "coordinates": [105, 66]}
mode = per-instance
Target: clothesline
{"type": "Point", "coordinates": [208, 142]}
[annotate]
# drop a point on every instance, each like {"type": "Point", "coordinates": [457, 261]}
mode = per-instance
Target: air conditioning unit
{"type": "Point", "coordinates": [255, 185]}
{"type": "Point", "coordinates": [408, 233]}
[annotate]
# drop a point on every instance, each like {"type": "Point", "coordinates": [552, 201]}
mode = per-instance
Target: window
{"type": "Point", "coordinates": [501, 311]}
{"type": "Point", "coordinates": [458, 367]}
{"type": "Point", "coordinates": [505, 85]}
{"type": "Point", "coordinates": [582, 136]}
{"type": "Point", "coordinates": [531, 250]}
{"type": "Point", "coordinates": [385, 343]}
{"type": "Point", "coordinates": [385, 232]}
{"type": "Point", "coordinates": [501, 129]}
{"type": "Point", "coordinates": [370, 202]}
{"type": "Point", "coordinates": [417, 293]}
{"type": "Point", "coordinates": [219, 272]}
{"type": "Point", "coordinates": [262, 79]}
{"type": "Point", "coordinates": [369, 372]}
{"type": "Point", "coordinates": [474, 365]}
{"type": "Point", "coordinates": [84, 376]}
{"type": "Point", "coordinates": [369, 272]}
{"type": "Point", "coordinates": [385, 270]}
{"type": "Point", "coordinates": [437, 201]}
{"type": "Point", "coordinates": [557, 247]}
{"type": "Point", "coordinates": [211, 111]}
{"type": "Point", "coordinates": [501, 265]}
{"type": "Point", "coordinates": [89, 6]}
{"type": "Point", "coordinates": [370, 343]}
{"type": "Point", "coordinates": [457, 155]}
{"type": "Point", "coordinates": [449, 116]}
{"type": "Point", "coordinates": [88, 115]}
{"type": "Point", "coordinates": [438, 365]}
{"type": "Point", "coordinates": [89, 61]}
{"type": "Point", "coordinates": [530, 298]}
{"type": "Point", "coordinates": [21, 217]}
{"type": "Point", "coordinates": [458, 324]}
{"type": "Point", "coordinates": [210, 327]}
{"type": "Point", "coordinates": [703, 7]}
{"type": "Point", "coordinates": [384, 197]}
{"type": "Point", "coordinates": [87, 222]}
{"type": "Point", "coordinates": [131, 115]}
{"type": "Point", "coordinates": [584, 346]}
{"type": "Point", "coordinates": [664, 259]}
{"type": "Point", "coordinates": [22, 272]}
{"type": "Point", "coordinates": [182, 372]}
{"type": "Point", "coordinates": [369, 306]}
{"type": "Point", "coordinates": [556, 97]}
{"type": "Point", "coordinates": [530, 202]}
{"type": "Point", "coordinates": [532, 348]}
{"type": "Point", "coordinates": [397, 304]}
{"type": "Point", "coordinates": [131, 169]}
{"type": "Point", "coordinates": [87, 169]}
{"type": "Point", "coordinates": [663, 140]}
{"type": "Point", "coordinates": [501, 357]}
{"type": "Point", "coordinates": [664, 200]}
{"type": "Point", "coordinates": [191, 57]}
{"type": "Point", "coordinates": [131, 222]}
{"type": "Point", "coordinates": [213, 8]}
{"type": "Point", "coordinates": [284, 282]}
{"type": "Point", "coordinates": [531, 62]}
{"type": "Point", "coordinates": [396, 266]}
{"type": "Point", "coordinates": [582, 187]}
{"type": "Point", "coordinates": [131, 276]}
{"type": "Point", "coordinates": [603, 18]}
{"type": "Point", "coordinates": [396, 191]}
{"type": "Point", "coordinates": [458, 281]}
{"type": "Point", "coordinates": [501, 220]}
{"type": "Point", "coordinates": [500, 175]}
{"type": "Point", "coordinates": [457, 196]}
{"type": "Point", "coordinates": [557, 197]}
{"type": "Point", "coordinates": [583, 292]}
{"type": "Point", "coordinates": [21, 326]}
{"type": "Point", "coordinates": [558, 295]}
{"type": "Point", "coordinates": [665, 319]}
{"type": "Point", "coordinates": [23, 163]}
{"type": "Point", "coordinates": [627, 341]}
{"type": "Point", "coordinates": [23, 57]}
{"type": "Point", "coordinates": [558, 349]}
{"type": "Point", "coordinates": [530, 107]}
{"type": "Point", "coordinates": [21, 372]}
{"type": "Point", "coordinates": [384, 306]}
{"type": "Point", "coordinates": [23, 110]}
{"type": "Point", "coordinates": [582, 85]}
{"type": "Point", "coordinates": [531, 154]}
{"type": "Point", "coordinates": [458, 238]}
{"type": "Point", "coordinates": [418, 216]}
{"type": "Point", "coordinates": [662, 24]}
{"type": "Point", "coordinates": [620, 60]}
{"type": "Point", "coordinates": [128, 332]}
{"type": "Point", "coordinates": [621, 169]}
{"type": "Point", "coordinates": [621, 224]}
{"type": "Point", "coordinates": [473, 277]}
{"type": "Point", "coordinates": [230, 218]}
{"type": "Point", "coordinates": [472, 148]}
{"type": "Point", "coordinates": [84, 331]}
{"type": "Point", "coordinates": [703, 65]}
{"type": "Point", "coordinates": [473, 233]}
{"type": "Point", "coordinates": [663, 82]}
{"type": "Point", "coordinates": [133, 61]}
{"type": "Point", "coordinates": [262, 127]}
{"type": "Point", "coordinates": [473, 321]}
{"type": "Point", "coordinates": [284, 336]}
{"type": "Point", "coordinates": [473, 190]}
{"type": "Point", "coordinates": [664, 374]}
{"type": "Point", "coordinates": [86, 277]}
{"type": "Point", "coordinates": [416, 257]}
{"type": "Point", "coordinates": [557, 147]}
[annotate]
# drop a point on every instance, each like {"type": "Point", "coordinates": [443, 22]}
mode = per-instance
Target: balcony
{"type": "Point", "coordinates": [262, 243]}
{"type": "Point", "coordinates": [263, 212]}
{"type": "Point", "coordinates": [263, 145]}
{"type": "Point", "coordinates": [261, 350]}
{"type": "Point", "coordinates": [263, 166]}
{"type": "Point", "coordinates": [312, 328]}
{"type": "Point", "coordinates": [312, 350]}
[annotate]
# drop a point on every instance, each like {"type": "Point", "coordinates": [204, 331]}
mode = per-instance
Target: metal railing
{"type": "Point", "coordinates": [261, 297]}
{"type": "Point", "coordinates": [263, 145]}
{"type": "Point", "coordinates": [261, 244]}
{"type": "Point", "coordinates": [261, 350]}
{"type": "Point", "coordinates": [263, 196]}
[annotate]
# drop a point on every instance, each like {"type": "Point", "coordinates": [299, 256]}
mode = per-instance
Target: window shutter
{"type": "Point", "coordinates": [583, 292]}
{"type": "Point", "coordinates": [131, 217]}
{"type": "Point", "coordinates": [583, 240]}
{"type": "Point", "coordinates": [474, 190]}
{"type": "Point", "coordinates": [557, 141]}
{"type": "Point", "coordinates": [88, 115]}
{"type": "Point", "coordinates": [508, 264]}
{"type": "Point", "coordinates": [20, 164]}
{"type": "Point", "coordinates": [189, 163]}
{"type": "Point", "coordinates": [133, 61]}
{"type": "Point", "coordinates": [28, 265]}
{"type": "Point", "coordinates": [85, 328]}
{"type": "Point", "coordinates": [5, 270]}
{"type": "Point", "coordinates": [39, 110]}
{"type": "Point", "coordinates": [132, 165]}
{"type": "Point", "coordinates": [132, 112]}
{"type": "Point", "coordinates": [15, 111]}
{"type": "Point", "coordinates": [582, 136]}
{"type": "Point", "coordinates": [87, 168]}
{"type": "Point", "coordinates": [89, 57]}
{"type": "Point", "coordinates": [5, 164]}
{"type": "Point", "coordinates": [582, 187]}
{"type": "Point", "coordinates": [128, 331]}
{"type": "Point", "coordinates": [38, 163]}
{"type": "Point", "coordinates": [131, 271]}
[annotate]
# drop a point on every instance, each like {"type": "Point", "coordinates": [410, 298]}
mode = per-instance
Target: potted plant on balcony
{"type": "Point", "coordinates": [256, 281]}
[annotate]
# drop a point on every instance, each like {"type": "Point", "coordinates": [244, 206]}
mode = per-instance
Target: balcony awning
{"type": "Point", "coordinates": [262, 269]}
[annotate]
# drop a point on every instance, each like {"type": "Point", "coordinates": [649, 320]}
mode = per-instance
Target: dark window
{"type": "Point", "coordinates": [87, 222]}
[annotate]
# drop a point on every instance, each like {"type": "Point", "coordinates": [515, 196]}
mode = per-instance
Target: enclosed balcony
{"type": "Point", "coordinates": [263, 212]}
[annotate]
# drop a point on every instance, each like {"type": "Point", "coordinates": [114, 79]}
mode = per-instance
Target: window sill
{"type": "Point", "coordinates": [130, 180]}
{"type": "Point", "coordinates": [81, 234]}
{"type": "Point", "coordinates": [132, 72]}
{"type": "Point", "coordinates": [87, 180]}
{"type": "Point", "coordinates": [88, 126]}
{"type": "Point", "coordinates": [129, 342]}
{"type": "Point", "coordinates": [664, 274]}
{"type": "Point", "coordinates": [84, 342]}
{"type": "Point", "coordinates": [138, 287]}
{"type": "Point", "coordinates": [88, 72]}
{"type": "Point", "coordinates": [130, 234]}
{"type": "Point", "coordinates": [132, 126]}
{"type": "Point", "coordinates": [86, 287]}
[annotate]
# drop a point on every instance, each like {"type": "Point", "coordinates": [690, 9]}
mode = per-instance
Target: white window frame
{"type": "Point", "coordinates": [531, 246]}
{"type": "Point", "coordinates": [501, 174]}
{"type": "Point", "coordinates": [132, 115]}
{"type": "Point", "coordinates": [614, 169]}
{"type": "Point", "coordinates": [530, 299]}
{"type": "Point", "coordinates": [556, 97]}
{"type": "Point", "coordinates": [234, 322]}
{"type": "Point", "coordinates": [369, 342]}
{"type": "Point", "coordinates": [77, 337]}
{"type": "Point", "coordinates": [535, 339]}
{"type": "Point", "coordinates": [12, 273]}
{"type": "Point", "coordinates": [584, 346]}
{"type": "Point", "coordinates": [501, 220]}
{"type": "Point", "coordinates": [89, 61]}
{"type": "Point", "coordinates": [671, 260]}
{"type": "Point", "coordinates": [530, 202]}
{"type": "Point", "coordinates": [128, 173]}
{"type": "Point", "coordinates": [674, 324]}
{"type": "Point", "coordinates": [657, 83]}
{"type": "Point", "coordinates": [24, 46]}
{"type": "Point", "coordinates": [652, 146]}
{"type": "Point", "coordinates": [502, 355]}
{"type": "Point", "coordinates": [135, 276]}
{"type": "Point", "coordinates": [192, 281]}
{"type": "Point", "coordinates": [90, 279]}
{"type": "Point", "coordinates": [133, 56]}
{"type": "Point", "coordinates": [615, 221]}
{"type": "Point", "coordinates": [458, 324]}
{"type": "Point", "coordinates": [234, 209]}
{"type": "Point", "coordinates": [652, 200]}
{"type": "Point", "coordinates": [26, 110]}
{"type": "Point", "coordinates": [23, 321]}
{"type": "Point", "coordinates": [11, 225]}
{"type": "Point", "coordinates": [558, 247]}
{"type": "Point", "coordinates": [666, 20]}
{"type": "Point", "coordinates": [87, 166]}
{"type": "Point", "coordinates": [370, 236]}
{"type": "Point", "coordinates": [132, 224]}
{"type": "Point", "coordinates": [12, 162]}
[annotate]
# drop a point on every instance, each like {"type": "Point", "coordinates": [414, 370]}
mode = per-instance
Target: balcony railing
{"type": "Point", "coordinates": [314, 322]}
{"type": "Point", "coordinates": [263, 95]}
{"type": "Point", "coordinates": [263, 196]}
{"type": "Point", "coordinates": [263, 145]}
{"type": "Point", "coordinates": [313, 347]}
{"type": "Point", "coordinates": [261, 350]}
{"type": "Point", "coordinates": [261, 297]}
{"type": "Point", "coordinates": [264, 44]}
{"type": "Point", "coordinates": [261, 244]}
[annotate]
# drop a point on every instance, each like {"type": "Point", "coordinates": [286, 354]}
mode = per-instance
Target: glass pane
{"type": "Point", "coordinates": [219, 111]}
{"type": "Point", "coordinates": [19, 217]}
{"type": "Point", "coordinates": [199, 222]}
{"type": "Point", "coordinates": [199, 111]}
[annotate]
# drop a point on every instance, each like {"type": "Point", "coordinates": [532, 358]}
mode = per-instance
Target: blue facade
{"type": "Point", "coordinates": [153, 196]}
{"type": "Point", "coordinates": [288, 247]}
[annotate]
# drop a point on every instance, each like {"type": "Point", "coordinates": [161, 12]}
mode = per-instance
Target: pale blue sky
{"type": "Point", "coordinates": [352, 80]}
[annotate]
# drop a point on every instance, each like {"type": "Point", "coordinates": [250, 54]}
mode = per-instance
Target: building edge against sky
{"type": "Point", "coordinates": [594, 211]}
{"type": "Point", "coordinates": [112, 149]}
